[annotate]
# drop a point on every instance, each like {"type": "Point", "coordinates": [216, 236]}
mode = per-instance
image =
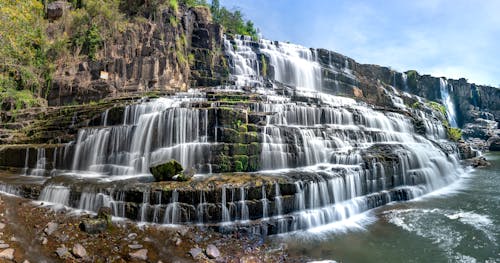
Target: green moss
{"type": "Point", "coordinates": [416, 105]}
{"type": "Point", "coordinates": [166, 170]}
{"type": "Point", "coordinates": [436, 106]}
{"type": "Point", "coordinates": [253, 163]}
{"type": "Point", "coordinates": [240, 163]}
{"type": "Point", "coordinates": [224, 163]}
{"type": "Point", "coordinates": [454, 134]}
{"type": "Point", "coordinates": [173, 21]}
{"type": "Point", "coordinates": [174, 5]}
{"type": "Point", "coordinates": [411, 79]}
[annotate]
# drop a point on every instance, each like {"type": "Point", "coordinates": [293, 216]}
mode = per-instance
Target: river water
{"type": "Point", "coordinates": [460, 223]}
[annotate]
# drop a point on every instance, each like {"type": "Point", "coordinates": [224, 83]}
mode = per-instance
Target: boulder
{"type": "Point", "coordinates": [195, 252]}
{"type": "Point", "coordinates": [212, 251]}
{"type": "Point", "coordinates": [7, 254]}
{"type": "Point", "coordinates": [494, 143]}
{"type": "Point", "coordinates": [79, 251]}
{"type": "Point", "coordinates": [94, 225]}
{"type": "Point", "coordinates": [56, 9]}
{"type": "Point", "coordinates": [51, 227]}
{"type": "Point", "coordinates": [166, 171]}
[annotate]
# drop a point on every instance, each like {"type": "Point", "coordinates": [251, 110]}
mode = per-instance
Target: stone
{"type": "Point", "coordinates": [2, 226]}
{"type": "Point", "coordinates": [249, 259]}
{"type": "Point", "coordinates": [2, 246]}
{"type": "Point", "coordinates": [94, 225]}
{"type": "Point", "coordinates": [45, 241]}
{"type": "Point", "coordinates": [79, 251]}
{"type": "Point", "coordinates": [212, 251]}
{"type": "Point", "coordinates": [50, 228]}
{"type": "Point", "coordinates": [56, 9]}
{"type": "Point", "coordinates": [178, 242]}
{"type": "Point", "coordinates": [195, 252]}
{"type": "Point", "coordinates": [494, 143]}
{"type": "Point", "coordinates": [141, 254]}
{"type": "Point", "coordinates": [166, 171]}
{"type": "Point", "coordinates": [63, 252]}
{"type": "Point", "coordinates": [135, 246]}
{"type": "Point", "coordinates": [183, 231]}
{"type": "Point", "coordinates": [7, 254]}
{"type": "Point", "coordinates": [132, 236]}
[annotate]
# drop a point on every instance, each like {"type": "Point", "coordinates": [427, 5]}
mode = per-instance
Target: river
{"type": "Point", "coordinates": [460, 223]}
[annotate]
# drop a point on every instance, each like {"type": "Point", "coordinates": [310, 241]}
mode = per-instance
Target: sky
{"type": "Point", "coordinates": [450, 38]}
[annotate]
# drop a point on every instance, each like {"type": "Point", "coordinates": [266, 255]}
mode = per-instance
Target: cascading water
{"type": "Point", "coordinates": [339, 157]}
{"type": "Point", "coordinates": [448, 102]}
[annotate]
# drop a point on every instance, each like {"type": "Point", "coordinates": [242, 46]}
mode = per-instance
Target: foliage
{"type": "Point", "coordinates": [23, 61]}
{"type": "Point", "coordinates": [454, 134]}
{"type": "Point", "coordinates": [191, 3]}
{"type": "Point", "coordinates": [173, 5]}
{"type": "Point", "coordinates": [411, 79]}
{"type": "Point", "coordinates": [436, 106]}
{"type": "Point", "coordinates": [416, 105]}
{"type": "Point", "coordinates": [232, 21]}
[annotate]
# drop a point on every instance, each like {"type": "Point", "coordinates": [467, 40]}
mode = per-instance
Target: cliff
{"type": "Point", "coordinates": [179, 49]}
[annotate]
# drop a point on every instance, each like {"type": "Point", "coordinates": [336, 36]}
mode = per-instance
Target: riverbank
{"type": "Point", "coordinates": [34, 232]}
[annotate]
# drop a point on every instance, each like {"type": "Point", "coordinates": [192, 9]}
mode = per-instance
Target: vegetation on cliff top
{"type": "Point", "coordinates": [32, 47]}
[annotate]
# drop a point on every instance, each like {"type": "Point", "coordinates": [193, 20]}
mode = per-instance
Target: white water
{"type": "Point", "coordinates": [448, 102]}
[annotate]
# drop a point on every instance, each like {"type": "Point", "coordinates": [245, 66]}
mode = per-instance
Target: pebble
{"type": "Point", "coordinates": [7, 254]}
{"type": "Point", "coordinates": [132, 236]}
{"type": "Point", "coordinates": [2, 246]}
{"type": "Point", "coordinates": [13, 239]}
{"type": "Point", "coordinates": [178, 242]}
{"type": "Point", "coordinates": [249, 259]}
{"type": "Point", "coordinates": [141, 254]}
{"type": "Point", "coordinates": [212, 251]}
{"type": "Point", "coordinates": [79, 251]}
{"type": "Point", "coordinates": [62, 252]}
{"type": "Point", "coordinates": [135, 246]}
{"type": "Point", "coordinates": [45, 241]}
{"type": "Point", "coordinates": [2, 226]}
{"type": "Point", "coordinates": [195, 252]}
{"type": "Point", "coordinates": [51, 227]}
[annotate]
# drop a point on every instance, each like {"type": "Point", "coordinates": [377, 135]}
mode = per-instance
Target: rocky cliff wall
{"type": "Point", "coordinates": [180, 49]}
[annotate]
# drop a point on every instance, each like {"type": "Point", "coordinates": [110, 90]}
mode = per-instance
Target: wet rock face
{"type": "Point", "coordinates": [494, 143]}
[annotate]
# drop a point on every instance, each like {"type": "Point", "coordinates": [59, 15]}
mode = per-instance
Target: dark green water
{"type": "Point", "coordinates": [460, 223]}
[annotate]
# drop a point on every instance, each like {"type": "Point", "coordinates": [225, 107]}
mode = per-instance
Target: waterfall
{"type": "Point", "coordinates": [324, 158]}
{"type": "Point", "coordinates": [448, 102]}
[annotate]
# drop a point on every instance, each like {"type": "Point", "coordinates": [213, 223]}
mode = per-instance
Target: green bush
{"type": "Point", "coordinates": [454, 134]}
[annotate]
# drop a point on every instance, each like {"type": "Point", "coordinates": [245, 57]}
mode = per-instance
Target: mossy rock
{"type": "Point", "coordinates": [253, 163]}
{"type": "Point", "coordinates": [166, 171]}
{"type": "Point", "coordinates": [240, 163]}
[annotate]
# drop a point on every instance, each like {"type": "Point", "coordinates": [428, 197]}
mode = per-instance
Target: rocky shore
{"type": "Point", "coordinates": [34, 232]}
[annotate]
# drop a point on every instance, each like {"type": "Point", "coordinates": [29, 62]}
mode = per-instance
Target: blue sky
{"type": "Point", "coordinates": [452, 38]}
